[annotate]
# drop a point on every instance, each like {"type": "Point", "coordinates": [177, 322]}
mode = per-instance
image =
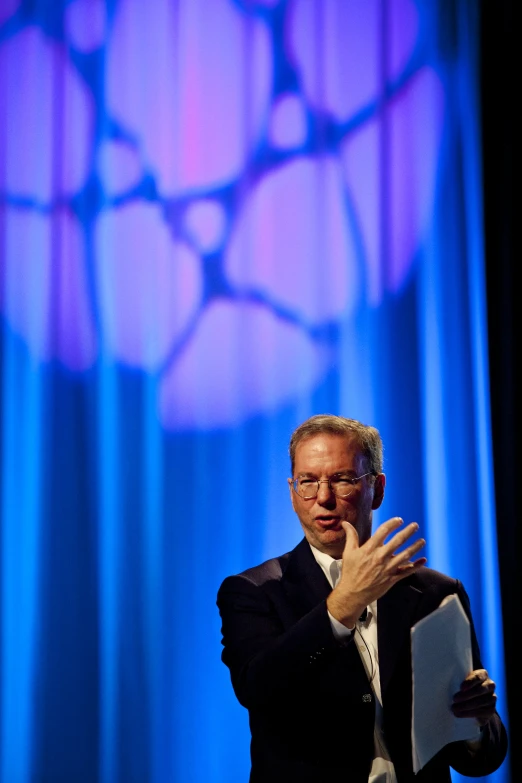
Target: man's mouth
{"type": "Point", "coordinates": [329, 522]}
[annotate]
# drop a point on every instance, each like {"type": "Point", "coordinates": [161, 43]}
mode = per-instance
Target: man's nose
{"type": "Point", "coordinates": [324, 492]}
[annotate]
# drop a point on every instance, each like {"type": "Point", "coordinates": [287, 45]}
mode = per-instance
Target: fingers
{"type": "Point", "coordinates": [476, 697]}
{"type": "Point", "coordinates": [477, 683]}
{"type": "Point", "coordinates": [384, 530]}
{"type": "Point", "coordinates": [352, 536]}
{"type": "Point", "coordinates": [486, 702]}
{"type": "Point", "coordinates": [407, 568]}
{"type": "Point", "coordinates": [482, 716]}
{"type": "Point", "coordinates": [476, 678]}
{"type": "Point", "coordinates": [396, 541]}
{"type": "Point", "coordinates": [401, 563]}
{"type": "Point", "coordinates": [402, 536]}
{"type": "Point", "coordinates": [482, 709]}
{"type": "Point", "coordinates": [408, 552]}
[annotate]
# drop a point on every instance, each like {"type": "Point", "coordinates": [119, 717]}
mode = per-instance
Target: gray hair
{"type": "Point", "coordinates": [367, 437]}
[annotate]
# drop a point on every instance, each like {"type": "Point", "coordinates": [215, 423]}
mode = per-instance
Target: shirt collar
{"type": "Point", "coordinates": [328, 564]}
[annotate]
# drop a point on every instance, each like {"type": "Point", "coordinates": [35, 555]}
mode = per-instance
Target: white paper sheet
{"type": "Point", "coordinates": [441, 659]}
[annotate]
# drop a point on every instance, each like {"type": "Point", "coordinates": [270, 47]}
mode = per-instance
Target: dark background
{"type": "Point", "coordinates": [498, 98]}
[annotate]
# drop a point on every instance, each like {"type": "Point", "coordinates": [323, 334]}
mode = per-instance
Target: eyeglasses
{"type": "Point", "coordinates": [342, 486]}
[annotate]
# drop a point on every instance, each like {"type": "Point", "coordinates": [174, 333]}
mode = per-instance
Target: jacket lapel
{"type": "Point", "coordinates": [304, 580]}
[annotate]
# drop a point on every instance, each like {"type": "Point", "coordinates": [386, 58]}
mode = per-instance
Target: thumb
{"type": "Point", "coordinates": [352, 536]}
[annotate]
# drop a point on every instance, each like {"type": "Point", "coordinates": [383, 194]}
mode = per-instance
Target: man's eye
{"type": "Point", "coordinates": [343, 481]}
{"type": "Point", "coordinates": [304, 482]}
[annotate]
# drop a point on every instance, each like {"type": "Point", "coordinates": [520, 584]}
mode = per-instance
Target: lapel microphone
{"type": "Point", "coordinates": [362, 618]}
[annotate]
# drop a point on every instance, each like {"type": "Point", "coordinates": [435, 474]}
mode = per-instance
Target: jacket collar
{"type": "Point", "coordinates": [304, 580]}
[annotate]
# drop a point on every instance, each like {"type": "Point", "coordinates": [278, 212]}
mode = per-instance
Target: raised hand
{"type": "Point", "coordinates": [370, 570]}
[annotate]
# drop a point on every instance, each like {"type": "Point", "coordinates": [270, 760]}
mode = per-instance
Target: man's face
{"type": "Point", "coordinates": [320, 457]}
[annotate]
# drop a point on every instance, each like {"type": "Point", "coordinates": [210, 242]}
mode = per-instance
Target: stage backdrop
{"type": "Point", "coordinates": [218, 217]}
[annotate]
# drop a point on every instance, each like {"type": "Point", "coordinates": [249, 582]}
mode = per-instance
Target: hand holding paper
{"type": "Point", "coordinates": [441, 661]}
{"type": "Point", "coordinates": [476, 697]}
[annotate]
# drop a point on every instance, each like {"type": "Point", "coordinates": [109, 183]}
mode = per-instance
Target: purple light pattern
{"type": "Point", "coordinates": [189, 85]}
{"type": "Point", "coordinates": [413, 126]}
{"type": "Point", "coordinates": [48, 275]}
{"type": "Point", "coordinates": [8, 8]}
{"type": "Point", "coordinates": [221, 378]}
{"type": "Point", "coordinates": [149, 286]}
{"type": "Point", "coordinates": [276, 247]}
{"type": "Point", "coordinates": [287, 122]}
{"type": "Point", "coordinates": [199, 96]}
{"type": "Point", "coordinates": [345, 75]}
{"type": "Point", "coordinates": [86, 24]}
{"type": "Point", "coordinates": [46, 127]}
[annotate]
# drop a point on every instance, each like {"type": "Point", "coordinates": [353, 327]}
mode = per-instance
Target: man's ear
{"type": "Point", "coordinates": [378, 490]}
{"type": "Point", "coordinates": [291, 492]}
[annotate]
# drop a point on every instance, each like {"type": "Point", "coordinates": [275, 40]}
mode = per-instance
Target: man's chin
{"type": "Point", "coordinates": [331, 541]}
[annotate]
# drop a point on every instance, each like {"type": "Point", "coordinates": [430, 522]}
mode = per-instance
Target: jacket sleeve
{"type": "Point", "coordinates": [465, 757]}
{"type": "Point", "coordinates": [269, 655]}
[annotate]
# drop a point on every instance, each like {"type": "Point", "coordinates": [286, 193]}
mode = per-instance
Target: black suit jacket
{"type": "Point", "coordinates": [311, 708]}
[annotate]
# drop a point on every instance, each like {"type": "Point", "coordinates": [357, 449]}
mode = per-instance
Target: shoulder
{"type": "Point", "coordinates": [255, 587]}
{"type": "Point", "coordinates": [426, 578]}
{"type": "Point", "coordinates": [437, 585]}
{"type": "Point", "coordinates": [270, 576]}
{"type": "Point", "coordinates": [297, 562]}
{"type": "Point", "coordinates": [269, 571]}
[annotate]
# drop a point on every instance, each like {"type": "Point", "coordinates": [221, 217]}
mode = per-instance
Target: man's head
{"type": "Point", "coordinates": [367, 437]}
{"type": "Point", "coordinates": [335, 451]}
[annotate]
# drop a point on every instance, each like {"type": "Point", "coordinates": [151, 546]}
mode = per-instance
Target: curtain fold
{"type": "Point", "coordinates": [216, 219]}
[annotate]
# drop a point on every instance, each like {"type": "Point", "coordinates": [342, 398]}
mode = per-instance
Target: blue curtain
{"type": "Point", "coordinates": [218, 217]}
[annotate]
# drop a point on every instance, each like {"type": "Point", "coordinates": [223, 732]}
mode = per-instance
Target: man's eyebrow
{"type": "Point", "coordinates": [345, 472]}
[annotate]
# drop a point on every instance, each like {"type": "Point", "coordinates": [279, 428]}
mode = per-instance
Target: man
{"type": "Point", "coordinates": [318, 640]}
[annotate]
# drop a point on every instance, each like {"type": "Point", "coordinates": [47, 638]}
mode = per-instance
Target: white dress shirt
{"type": "Point", "coordinates": [382, 770]}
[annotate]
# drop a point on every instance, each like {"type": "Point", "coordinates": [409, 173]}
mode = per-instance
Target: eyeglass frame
{"type": "Point", "coordinates": [352, 481]}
